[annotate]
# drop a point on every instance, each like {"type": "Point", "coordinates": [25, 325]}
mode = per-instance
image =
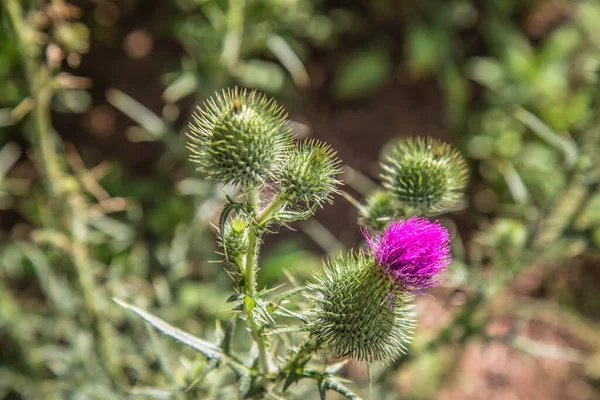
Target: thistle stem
{"type": "Point", "coordinates": [249, 271]}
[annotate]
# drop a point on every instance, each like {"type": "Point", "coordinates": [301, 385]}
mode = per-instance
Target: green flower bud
{"type": "Point", "coordinates": [235, 240]}
{"type": "Point", "coordinates": [360, 312]}
{"type": "Point", "coordinates": [426, 175]}
{"type": "Point", "coordinates": [380, 208]}
{"type": "Point", "coordinates": [309, 174]}
{"type": "Point", "coordinates": [239, 137]}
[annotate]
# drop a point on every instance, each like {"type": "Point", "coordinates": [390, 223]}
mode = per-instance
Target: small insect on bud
{"type": "Point", "coordinates": [380, 208]}
{"type": "Point", "coordinates": [235, 240]}
{"type": "Point", "coordinates": [360, 312]}
{"type": "Point", "coordinates": [309, 174]}
{"type": "Point", "coordinates": [426, 175]}
{"type": "Point", "coordinates": [239, 137]}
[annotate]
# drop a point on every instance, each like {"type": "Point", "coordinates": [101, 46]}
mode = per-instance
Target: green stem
{"type": "Point", "coordinates": [250, 269]}
{"type": "Point", "coordinates": [38, 78]}
{"type": "Point", "coordinates": [250, 285]}
{"type": "Point", "coordinates": [275, 206]}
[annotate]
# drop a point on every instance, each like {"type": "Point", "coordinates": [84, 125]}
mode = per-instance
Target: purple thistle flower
{"type": "Point", "coordinates": [412, 251]}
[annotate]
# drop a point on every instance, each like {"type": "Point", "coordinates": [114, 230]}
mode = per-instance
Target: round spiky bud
{"type": "Point", "coordinates": [380, 208]}
{"type": "Point", "coordinates": [309, 174]}
{"type": "Point", "coordinates": [239, 137]}
{"type": "Point", "coordinates": [360, 312]}
{"type": "Point", "coordinates": [426, 175]}
{"type": "Point", "coordinates": [235, 240]}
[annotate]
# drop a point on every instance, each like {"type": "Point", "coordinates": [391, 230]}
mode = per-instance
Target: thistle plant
{"type": "Point", "coordinates": [361, 306]}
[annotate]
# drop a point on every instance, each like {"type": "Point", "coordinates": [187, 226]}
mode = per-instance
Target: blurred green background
{"type": "Point", "coordinates": [97, 199]}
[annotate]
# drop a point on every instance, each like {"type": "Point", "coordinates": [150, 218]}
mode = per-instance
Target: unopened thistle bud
{"type": "Point", "coordinates": [380, 208]}
{"type": "Point", "coordinates": [360, 312]}
{"type": "Point", "coordinates": [239, 137]}
{"type": "Point", "coordinates": [308, 175]}
{"type": "Point", "coordinates": [235, 240]}
{"type": "Point", "coordinates": [426, 175]}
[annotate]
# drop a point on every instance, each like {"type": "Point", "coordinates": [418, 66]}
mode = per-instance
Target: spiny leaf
{"type": "Point", "coordinates": [262, 308]}
{"type": "Point", "coordinates": [335, 385]}
{"type": "Point", "coordinates": [229, 330]}
{"type": "Point", "coordinates": [265, 291]}
{"type": "Point", "coordinates": [287, 329]}
{"type": "Point", "coordinates": [287, 313]}
{"type": "Point", "coordinates": [235, 297]}
{"type": "Point", "coordinates": [335, 368]}
{"type": "Point", "coordinates": [287, 294]}
{"type": "Point", "coordinates": [208, 349]}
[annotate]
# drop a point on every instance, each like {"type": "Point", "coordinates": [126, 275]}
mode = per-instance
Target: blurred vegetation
{"type": "Point", "coordinates": [519, 81]}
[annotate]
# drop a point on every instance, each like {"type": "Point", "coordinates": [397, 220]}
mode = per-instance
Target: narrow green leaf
{"type": "Point", "coordinates": [208, 349]}
{"type": "Point", "coordinates": [335, 368]}
{"type": "Point", "coordinates": [235, 297]}
{"type": "Point", "coordinates": [335, 385]}
{"type": "Point", "coordinates": [287, 294]}
{"type": "Point", "coordinates": [322, 389]}
{"type": "Point", "coordinates": [287, 329]}
{"type": "Point", "coordinates": [229, 330]}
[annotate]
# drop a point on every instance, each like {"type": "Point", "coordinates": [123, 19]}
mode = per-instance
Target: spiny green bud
{"type": "Point", "coordinates": [426, 175]}
{"type": "Point", "coordinates": [360, 312]}
{"type": "Point", "coordinates": [309, 174]}
{"type": "Point", "coordinates": [239, 137]}
{"type": "Point", "coordinates": [381, 206]}
{"type": "Point", "coordinates": [235, 240]}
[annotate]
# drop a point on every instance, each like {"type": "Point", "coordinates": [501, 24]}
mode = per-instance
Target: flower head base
{"type": "Point", "coordinates": [413, 252]}
{"type": "Point", "coordinates": [426, 175]}
{"type": "Point", "coordinates": [239, 137]}
{"type": "Point", "coordinates": [360, 312]}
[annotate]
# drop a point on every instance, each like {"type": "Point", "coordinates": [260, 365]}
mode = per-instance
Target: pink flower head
{"type": "Point", "coordinates": [412, 251]}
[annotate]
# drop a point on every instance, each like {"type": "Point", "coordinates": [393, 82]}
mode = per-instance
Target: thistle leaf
{"type": "Point", "coordinates": [287, 329]}
{"type": "Point", "coordinates": [207, 349]}
{"type": "Point", "coordinates": [287, 294]}
{"type": "Point", "coordinates": [333, 384]}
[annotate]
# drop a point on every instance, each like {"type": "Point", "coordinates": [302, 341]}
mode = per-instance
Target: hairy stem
{"type": "Point", "coordinates": [250, 270]}
{"type": "Point", "coordinates": [250, 285]}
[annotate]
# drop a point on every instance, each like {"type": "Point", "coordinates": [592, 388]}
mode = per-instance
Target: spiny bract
{"type": "Point", "coordinates": [309, 174]}
{"type": "Point", "coordinates": [239, 137]}
{"type": "Point", "coordinates": [426, 175]}
{"type": "Point", "coordinates": [360, 312]}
